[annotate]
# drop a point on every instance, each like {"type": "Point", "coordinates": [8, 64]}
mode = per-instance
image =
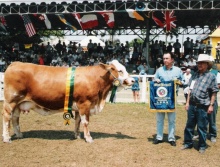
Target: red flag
{"type": "Point", "coordinates": [87, 21]}
{"type": "Point", "coordinates": [109, 18]}
{"type": "Point", "coordinates": [28, 25]}
{"type": "Point", "coordinates": [157, 21]}
{"type": "Point", "coordinates": [169, 20]}
{"type": "Point", "coordinates": [3, 23]}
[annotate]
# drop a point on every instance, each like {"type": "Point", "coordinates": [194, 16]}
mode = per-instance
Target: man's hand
{"type": "Point", "coordinates": [187, 106]}
{"type": "Point", "coordinates": [157, 80]}
{"type": "Point", "coordinates": [210, 109]}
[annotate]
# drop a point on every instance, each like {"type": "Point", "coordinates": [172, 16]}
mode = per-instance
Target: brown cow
{"type": "Point", "coordinates": [42, 89]}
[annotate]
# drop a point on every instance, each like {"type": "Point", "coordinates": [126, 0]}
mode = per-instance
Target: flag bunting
{"type": "Point", "coordinates": [28, 25]}
{"type": "Point", "coordinates": [62, 18]}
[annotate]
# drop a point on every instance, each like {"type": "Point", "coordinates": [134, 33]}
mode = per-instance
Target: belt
{"type": "Point", "coordinates": [196, 103]}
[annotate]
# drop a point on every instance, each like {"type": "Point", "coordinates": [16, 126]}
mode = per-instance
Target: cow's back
{"type": "Point", "coordinates": [41, 84]}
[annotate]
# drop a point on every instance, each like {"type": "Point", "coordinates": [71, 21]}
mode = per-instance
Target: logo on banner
{"type": "Point", "coordinates": [161, 92]}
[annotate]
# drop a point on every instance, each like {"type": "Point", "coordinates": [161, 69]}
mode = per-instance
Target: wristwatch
{"type": "Point", "coordinates": [211, 104]}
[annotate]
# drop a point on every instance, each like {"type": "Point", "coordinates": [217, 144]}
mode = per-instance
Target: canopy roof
{"type": "Point", "coordinates": [108, 15]}
{"type": "Point", "coordinates": [216, 33]}
{"type": "Point", "coordinates": [188, 13]}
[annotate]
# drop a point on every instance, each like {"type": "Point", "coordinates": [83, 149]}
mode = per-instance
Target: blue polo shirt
{"type": "Point", "coordinates": [171, 74]}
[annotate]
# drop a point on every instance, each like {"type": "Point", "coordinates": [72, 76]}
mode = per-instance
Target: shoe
{"type": "Point", "coordinates": [213, 139]}
{"type": "Point", "coordinates": [195, 137]}
{"type": "Point", "coordinates": [172, 143]}
{"type": "Point", "coordinates": [201, 150]}
{"type": "Point", "coordinates": [157, 141]}
{"type": "Point", "coordinates": [186, 147]}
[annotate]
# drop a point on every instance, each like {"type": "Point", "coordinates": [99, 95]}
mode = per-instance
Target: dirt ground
{"type": "Point", "coordinates": [123, 135]}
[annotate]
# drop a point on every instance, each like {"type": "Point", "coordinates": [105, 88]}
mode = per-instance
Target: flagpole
{"type": "Point", "coordinates": [147, 43]}
{"type": "Point", "coordinates": [166, 39]}
{"type": "Point", "coordinates": [182, 41]}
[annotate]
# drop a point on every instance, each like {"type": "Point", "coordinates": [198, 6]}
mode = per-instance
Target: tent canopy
{"type": "Point", "coordinates": [216, 33]}
{"type": "Point", "coordinates": [54, 40]}
{"type": "Point", "coordinates": [94, 39]}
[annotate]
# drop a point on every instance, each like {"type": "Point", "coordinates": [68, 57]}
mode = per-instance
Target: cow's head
{"type": "Point", "coordinates": [123, 76]}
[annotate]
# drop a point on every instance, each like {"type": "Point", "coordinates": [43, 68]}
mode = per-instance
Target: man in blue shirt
{"type": "Point", "coordinates": [168, 72]}
{"type": "Point", "coordinates": [212, 117]}
{"type": "Point", "coordinates": [200, 102]}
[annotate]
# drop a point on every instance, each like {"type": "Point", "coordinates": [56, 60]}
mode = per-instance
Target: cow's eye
{"type": "Point", "coordinates": [120, 73]}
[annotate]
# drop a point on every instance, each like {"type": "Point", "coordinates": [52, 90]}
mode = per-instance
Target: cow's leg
{"type": "Point", "coordinates": [85, 122]}
{"type": "Point", "coordinates": [6, 115]}
{"type": "Point", "coordinates": [6, 128]}
{"type": "Point", "coordinates": [15, 123]}
{"type": "Point", "coordinates": [77, 125]}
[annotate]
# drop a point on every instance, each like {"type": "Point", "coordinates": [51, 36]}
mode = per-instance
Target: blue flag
{"type": "Point", "coordinates": [162, 96]}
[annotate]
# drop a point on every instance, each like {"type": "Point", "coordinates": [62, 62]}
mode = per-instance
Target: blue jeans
{"type": "Point", "coordinates": [212, 121]}
{"type": "Point", "coordinates": [160, 125]}
{"type": "Point", "coordinates": [196, 115]}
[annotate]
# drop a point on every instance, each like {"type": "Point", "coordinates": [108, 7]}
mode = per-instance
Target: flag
{"type": "Point", "coordinates": [28, 25]}
{"type": "Point", "coordinates": [87, 21]}
{"type": "Point", "coordinates": [43, 17]}
{"type": "Point", "coordinates": [3, 23]}
{"type": "Point", "coordinates": [168, 22]}
{"type": "Point", "coordinates": [134, 14]}
{"type": "Point", "coordinates": [62, 18]}
{"type": "Point", "coordinates": [157, 21]}
{"type": "Point", "coordinates": [109, 18]}
{"type": "Point", "coordinates": [162, 96]}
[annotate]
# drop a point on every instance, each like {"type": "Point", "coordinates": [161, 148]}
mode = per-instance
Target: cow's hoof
{"type": "Point", "coordinates": [89, 140]}
{"type": "Point", "coordinates": [19, 136]}
{"type": "Point", "coordinates": [7, 140]}
{"type": "Point", "coordinates": [75, 137]}
{"type": "Point", "coordinates": [78, 137]}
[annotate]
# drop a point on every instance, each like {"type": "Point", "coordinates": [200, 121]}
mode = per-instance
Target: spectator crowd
{"type": "Point", "coordinates": [131, 55]}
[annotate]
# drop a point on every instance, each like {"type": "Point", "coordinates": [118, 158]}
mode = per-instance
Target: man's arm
{"type": "Point", "coordinates": [187, 101]}
{"type": "Point", "coordinates": [212, 101]}
{"type": "Point", "coordinates": [218, 79]}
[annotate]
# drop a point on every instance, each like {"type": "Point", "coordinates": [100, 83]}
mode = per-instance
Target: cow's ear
{"type": "Point", "coordinates": [105, 66]}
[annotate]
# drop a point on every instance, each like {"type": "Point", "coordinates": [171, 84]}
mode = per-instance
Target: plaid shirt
{"type": "Point", "coordinates": [203, 88]}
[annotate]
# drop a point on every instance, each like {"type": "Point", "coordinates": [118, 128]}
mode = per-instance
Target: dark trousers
{"type": "Point", "coordinates": [212, 121]}
{"type": "Point", "coordinates": [196, 115]}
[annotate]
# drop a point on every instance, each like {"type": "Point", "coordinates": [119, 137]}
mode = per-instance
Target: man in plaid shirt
{"type": "Point", "coordinates": [200, 102]}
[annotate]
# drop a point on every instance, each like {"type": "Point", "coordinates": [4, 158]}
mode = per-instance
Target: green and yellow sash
{"type": "Point", "coordinates": [69, 96]}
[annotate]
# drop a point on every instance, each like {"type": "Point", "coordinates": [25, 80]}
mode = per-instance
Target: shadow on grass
{"type": "Point", "coordinates": [60, 135]}
{"type": "Point", "coordinates": [165, 138]}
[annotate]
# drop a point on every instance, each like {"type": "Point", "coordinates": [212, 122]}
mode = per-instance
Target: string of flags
{"type": "Point", "coordinates": [91, 20]}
